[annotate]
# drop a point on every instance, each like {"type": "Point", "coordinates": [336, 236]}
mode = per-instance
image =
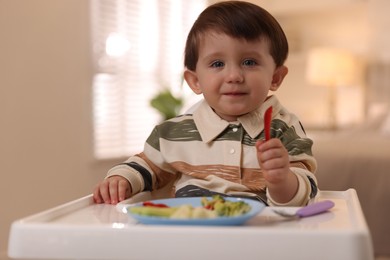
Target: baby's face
{"type": "Point", "coordinates": [234, 75]}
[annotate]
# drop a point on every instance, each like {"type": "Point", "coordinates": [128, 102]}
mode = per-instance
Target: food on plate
{"type": "Point", "coordinates": [153, 211]}
{"type": "Point", "coordinates": [217, 206]}
{"type": "Point", "coordinates": [225, 207]}
{"type": "Point", "coordinates": [188, 211]}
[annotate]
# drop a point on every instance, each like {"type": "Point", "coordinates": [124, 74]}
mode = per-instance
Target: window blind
{"type": "Point", "coordinates": [138, 50]}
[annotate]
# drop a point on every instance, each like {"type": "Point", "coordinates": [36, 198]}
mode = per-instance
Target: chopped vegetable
{"type": "Point", "coordinates": [153, 211]}
{"type": "Point", "coordinates": [229, 208]}
{"type": "Point", "coordinates": [200, 212]}
{"type": "Point", "coordinates": [210, 204]}
{"type": "Point", "coordinates": [225, 207]}
{"type": "Point", "coordinates": [151, 204]}
{"type": "Point", "coordinates": [183, 212]}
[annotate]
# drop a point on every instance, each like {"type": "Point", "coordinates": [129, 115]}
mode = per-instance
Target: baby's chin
{"type": "Point", "coordinates": [231, 116]}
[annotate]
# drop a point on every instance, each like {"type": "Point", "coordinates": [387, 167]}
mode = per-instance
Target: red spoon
{"type": "Point", "coordinates": [267, 123]}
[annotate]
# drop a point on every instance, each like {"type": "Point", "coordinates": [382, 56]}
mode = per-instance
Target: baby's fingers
{"type": "Point", "coordinates": [101, 194]}
{"type": "Point", "coordinates": [97, 198]}
{"type": "Point", "coordinates": [273, 143]}
{"type": "Point", "coordinates": [124, 190]}
{"type": "Point", "coordinates": [113, 189]}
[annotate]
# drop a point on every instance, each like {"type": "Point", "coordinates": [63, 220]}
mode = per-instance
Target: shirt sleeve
{"type": "Point", "coordinates": [305, 189]}
{"type": "Point", "coordinates": [136, 171]}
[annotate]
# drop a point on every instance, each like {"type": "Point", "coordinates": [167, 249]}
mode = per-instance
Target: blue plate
{"type": "Point", "coordinates": [256, 208]}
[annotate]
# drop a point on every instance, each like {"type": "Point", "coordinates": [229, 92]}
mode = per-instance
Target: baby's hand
{"type": "Point", "coordinates": [273, 159]}
{"type": "Point", "coordinates": [282, 183]}
{"type": "Point", "coordinates": [112, 190]}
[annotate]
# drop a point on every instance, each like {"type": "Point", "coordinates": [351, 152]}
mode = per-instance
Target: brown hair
{"type": "Point", "coordinates": [239, 20]}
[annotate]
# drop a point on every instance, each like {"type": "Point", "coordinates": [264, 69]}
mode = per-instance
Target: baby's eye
{"type": "Point", "coordinates": [249, 62]}
{"type": "Point", "coordinates": [217, 64]}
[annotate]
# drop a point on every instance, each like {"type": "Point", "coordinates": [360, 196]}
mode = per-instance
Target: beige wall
{"type": "Point", "coordinates": [45, 108]}
{"type": "Point", "coordinates": [345, 27]}
{"type": "Point", "coordinates": [45, 103]}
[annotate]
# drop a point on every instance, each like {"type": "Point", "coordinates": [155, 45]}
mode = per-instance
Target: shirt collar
{"type": "Point", "coordinates": [210, 125]}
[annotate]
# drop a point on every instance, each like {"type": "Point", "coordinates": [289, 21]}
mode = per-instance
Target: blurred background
{"type": "Point", "coordinates": [77, 77]}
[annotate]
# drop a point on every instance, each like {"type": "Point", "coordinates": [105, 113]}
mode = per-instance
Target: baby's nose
{"type": "Point", "coordinates": [234, 75]}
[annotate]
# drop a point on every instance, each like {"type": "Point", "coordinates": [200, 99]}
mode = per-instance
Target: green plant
{"type": "Point", "coordinates": [166, 104]}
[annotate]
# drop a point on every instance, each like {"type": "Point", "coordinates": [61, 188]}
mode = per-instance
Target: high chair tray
{"type": "Point", "coordinates": [81, 229]}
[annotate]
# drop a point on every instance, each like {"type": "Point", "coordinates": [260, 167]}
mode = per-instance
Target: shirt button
{"type": "Point", "coordinates": [232, 150]}
{"type": "Point", "coordinates": [235, 129]}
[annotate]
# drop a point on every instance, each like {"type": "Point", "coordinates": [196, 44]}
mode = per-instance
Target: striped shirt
{"type": "Point", "coordinates": [207, 155]}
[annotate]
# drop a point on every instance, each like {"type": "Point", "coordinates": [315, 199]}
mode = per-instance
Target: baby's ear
{"type": "Point", "coordinates": [192, 80]}
{"type": "Point", "coordinates": [277, 79]}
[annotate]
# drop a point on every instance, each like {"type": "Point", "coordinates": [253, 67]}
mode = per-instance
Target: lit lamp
{"type": "Point", "coordinates": [331, 68]}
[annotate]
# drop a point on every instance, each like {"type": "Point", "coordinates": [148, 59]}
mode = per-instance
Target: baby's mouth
{"type": "Point", "coordinates": [235, 93]}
